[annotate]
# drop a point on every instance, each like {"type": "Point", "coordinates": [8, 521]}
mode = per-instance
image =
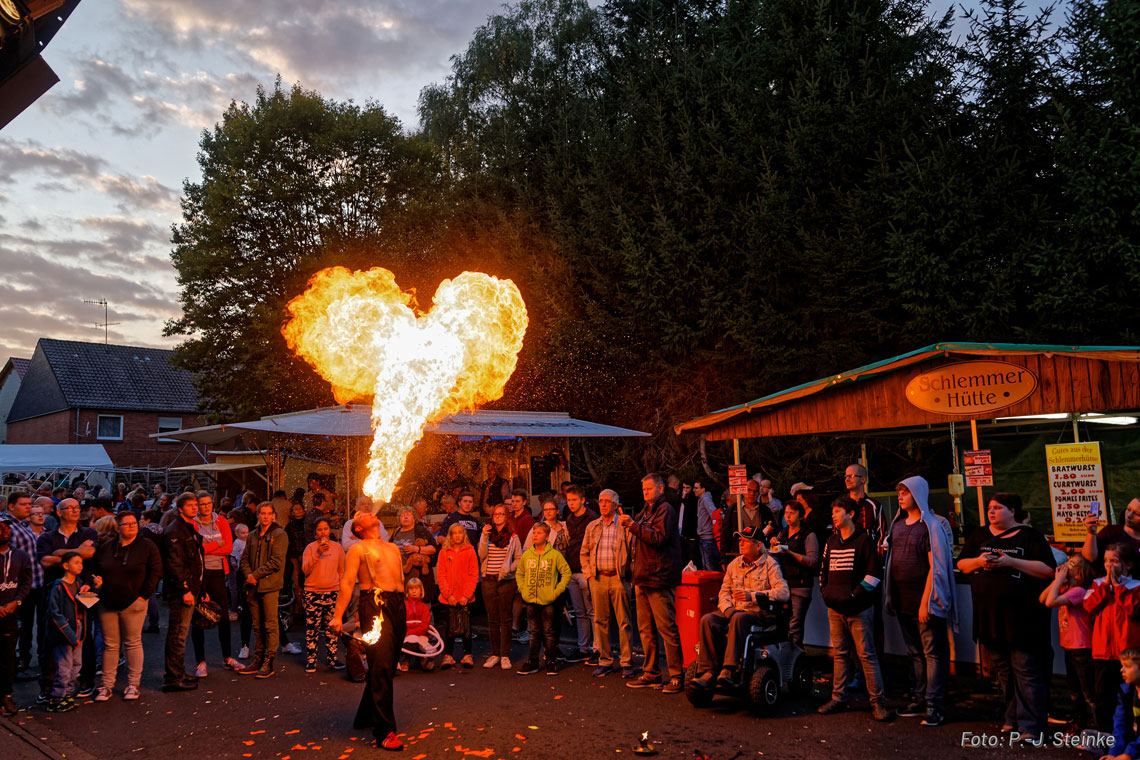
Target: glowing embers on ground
{"type": "Point", "coordinates": [373, 636]}
{"type": "Point", "coordinates": [364, 334]}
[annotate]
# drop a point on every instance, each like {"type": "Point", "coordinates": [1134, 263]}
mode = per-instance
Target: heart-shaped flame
{"type": "Point", "coordinates": [361, 332]}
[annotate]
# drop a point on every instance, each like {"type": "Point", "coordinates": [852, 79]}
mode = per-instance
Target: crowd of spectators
{"type": "Point", "coordinates": [82, 574]}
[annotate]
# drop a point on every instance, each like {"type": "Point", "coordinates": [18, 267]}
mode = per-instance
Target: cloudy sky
{"type": "Point", "coordinates": [91, 174]}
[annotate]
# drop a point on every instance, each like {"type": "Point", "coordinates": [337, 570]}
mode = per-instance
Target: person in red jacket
{"type": "Point", "coordinates": [456, 574]}
{"type": "Point", "coordinates": [419, 620]}
{"type": "Point", "coordinates": [1111, 602]}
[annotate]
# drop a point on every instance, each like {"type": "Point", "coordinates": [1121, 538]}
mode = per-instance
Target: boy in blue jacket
{"type": "Point", "coordinates": [1126, 723]}
{"type": "Point", "coordinates": [66, 628]}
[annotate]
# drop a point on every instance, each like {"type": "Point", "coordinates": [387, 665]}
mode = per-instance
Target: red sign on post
{"type": "Point", "coordinates": [737, 479]}
{"type": "Point", "coordinates": [979, 468]}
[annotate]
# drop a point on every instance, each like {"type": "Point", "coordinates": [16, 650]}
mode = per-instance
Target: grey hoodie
{"type": "Point", "coordinates": [941, 553]}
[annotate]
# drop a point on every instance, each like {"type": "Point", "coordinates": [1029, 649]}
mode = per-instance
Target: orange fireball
{"type": "Point", "coordinates": [360, 331]}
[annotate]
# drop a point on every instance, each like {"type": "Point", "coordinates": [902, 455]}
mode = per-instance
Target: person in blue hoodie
{"type": "Point", "coordinates": [918, 586]}
{"type": "Point", "coordinates": [1126, 721]}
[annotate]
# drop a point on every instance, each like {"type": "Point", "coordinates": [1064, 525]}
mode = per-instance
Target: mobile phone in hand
{"type": "Point", "coordinates": [1094, 509]}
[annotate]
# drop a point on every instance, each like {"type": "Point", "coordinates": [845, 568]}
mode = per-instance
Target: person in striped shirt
{"type": "Point", "coordinates": [851, 574]}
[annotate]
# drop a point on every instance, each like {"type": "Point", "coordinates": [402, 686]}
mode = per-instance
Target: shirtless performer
{"type": "Point", "coordinates": [379, 568]}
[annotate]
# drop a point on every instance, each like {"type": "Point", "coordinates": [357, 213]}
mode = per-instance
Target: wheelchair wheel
{"type": "Point", "coordinates": [697, 697]}
{"type": "Point", "coordinates": [764, 689]}
{"type": "Point", "coordinates": [802, 678]}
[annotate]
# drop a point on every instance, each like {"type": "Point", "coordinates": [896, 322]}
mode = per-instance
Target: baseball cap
{"type": "Point", "coordinates": [797, 487]}
{"type": "Point", "coordinates": [752, 533]}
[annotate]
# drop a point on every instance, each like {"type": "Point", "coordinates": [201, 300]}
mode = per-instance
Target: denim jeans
{"type": "Point", "coordinates": [928, 647]}
{"type": "Point", "coordinates": [540, 624]}
{"type": "Point", "coordinates": [1024, 680]}
{"type": "Point", "coordinates": [722, 639]}
{"type": "Point", "coordinates": [178, 628]}
{"type": "Point", "coordinates": [710, 555]}
{"type": "Point", "coordinates": [1079, 669]}
{"type": "Point", "coordinates": [854, 633]}
{"type": "Point", "coordinates": [801, 601]}
{"type": "Point", "coordinates": [583, 607]}
{"type": "Point", "coordinates": [68, 661]}
{"type": "Point", "coordinates": [214, 586]}
{"type": "Point", "coordinates": [1107, 680]}
{"type": "Point", "coordinates": [499, 597]}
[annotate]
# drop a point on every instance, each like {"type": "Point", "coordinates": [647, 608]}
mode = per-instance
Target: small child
{"type": "Point", "coordinates": [419, 620]}
{"type": "Point", "coordinates": [1067, 594]}
{"type": "Point", "coordinates": [1111, 603]}
{"type": "Point", "coordinates": [66, 631]}
{"type": "Point", "coordinates": [1126, 722]}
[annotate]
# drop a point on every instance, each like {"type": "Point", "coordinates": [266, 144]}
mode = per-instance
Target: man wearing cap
{"type": "Point", "coordinates": [605, 564]}
{"type": "Point", "coordinates": [753, 514]}
{"type": "Point", "coordinates": [751, 577]}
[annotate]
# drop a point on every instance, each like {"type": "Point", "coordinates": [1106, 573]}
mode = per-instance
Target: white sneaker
{"type": "Point", "coordinates": [243, 654]}
{"type": "Point", "coordinates": [132, 692]}
{"type": "Point", "coordinates": [491, 662]}
{"type": "Point", "coordinates": [292, 648]}
{"type": "Point", "coordinates": [505, 663]}
{"type": "Point", "coordinates": [102, 694]}
{"type": "Point", "coordinates": [201, 671]}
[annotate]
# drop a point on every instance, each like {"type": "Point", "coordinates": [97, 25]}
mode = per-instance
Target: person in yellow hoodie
{"type": "Point", "coordinates": [542, 575]}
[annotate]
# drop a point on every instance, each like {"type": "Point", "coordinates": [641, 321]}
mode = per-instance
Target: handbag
{"type": "Point", "coordinates": [459, 621]}
{"type": "Point", "coordinates": [206, 614]}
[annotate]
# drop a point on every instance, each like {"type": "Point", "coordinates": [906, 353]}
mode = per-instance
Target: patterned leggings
{"type": "Point", "coordinates": [318, 613]}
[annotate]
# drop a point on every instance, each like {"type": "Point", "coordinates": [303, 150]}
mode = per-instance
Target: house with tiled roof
{"type": "Point", "coordinates": [10, 378]}
{"type": "Point", "coordinates": [116, 396]}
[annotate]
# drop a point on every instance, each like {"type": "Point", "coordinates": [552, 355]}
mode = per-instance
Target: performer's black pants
{"type": "Point", "coordinates": [376, 711]}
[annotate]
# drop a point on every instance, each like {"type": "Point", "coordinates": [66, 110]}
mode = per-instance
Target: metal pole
{"type": "Point", "coordinates": [981, 508]}
{"type": "Point", "coordinates": [1076, 433]}
{"type": "Point", "coordinates": [739, 498]}
{"type": "Point", "coordinates": [863, 461]}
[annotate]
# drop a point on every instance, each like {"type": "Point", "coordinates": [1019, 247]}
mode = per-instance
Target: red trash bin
{"type": "Point", "coordinates": [696, 596]}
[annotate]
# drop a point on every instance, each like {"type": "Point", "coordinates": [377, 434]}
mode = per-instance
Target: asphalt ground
{"type": "Point", "coordinates": [482, 713]}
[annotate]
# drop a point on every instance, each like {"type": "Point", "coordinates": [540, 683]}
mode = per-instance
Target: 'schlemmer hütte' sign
{"type": "Point", "coordinates": [971, 388]}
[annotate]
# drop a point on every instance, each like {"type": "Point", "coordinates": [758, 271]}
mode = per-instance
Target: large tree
{"type": "Point", "coordinates": [714, 178]}
{"type": "Point", "coordinates": [290, 183]}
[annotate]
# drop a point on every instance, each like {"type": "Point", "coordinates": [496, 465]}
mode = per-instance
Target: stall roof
{"type": "Point", "coordinates": [216, 467]}
{"type": "Point", "coordinates": [355, 420]}
{"type": "Point", "coordinates": [902, 361]}
{"type": "Point", "coordinates": [74, 456]}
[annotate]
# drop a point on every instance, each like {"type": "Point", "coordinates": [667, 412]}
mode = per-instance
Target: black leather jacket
{"type": "Point", "coordinates": [183, 560]}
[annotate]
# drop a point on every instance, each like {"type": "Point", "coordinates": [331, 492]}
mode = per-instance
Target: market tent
{"type": "Point", "coordinates": [70, 456]}
{"type": "Point", "coordinates": [351, 420]}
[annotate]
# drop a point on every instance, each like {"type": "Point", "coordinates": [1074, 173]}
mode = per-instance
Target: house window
{"type": "Point", "coordinates": [169, 425]}
{"type": "Point", "coordinates": [109, 427]}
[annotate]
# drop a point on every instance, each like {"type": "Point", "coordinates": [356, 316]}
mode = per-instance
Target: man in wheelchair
{"type": "Point", "coordinates": [752, 583]}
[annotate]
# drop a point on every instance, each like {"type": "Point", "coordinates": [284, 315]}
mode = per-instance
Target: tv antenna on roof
{"type": "Point", "coordinates": [105, 324]}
